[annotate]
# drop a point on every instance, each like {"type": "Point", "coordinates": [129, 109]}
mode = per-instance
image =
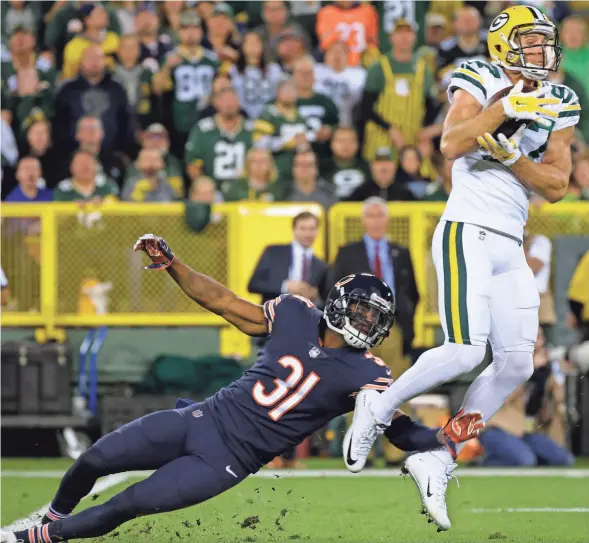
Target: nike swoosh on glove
{"type": "Point", "coordinates": [529, 105]}
{"type": "Point", "coordinates": [502, 149]}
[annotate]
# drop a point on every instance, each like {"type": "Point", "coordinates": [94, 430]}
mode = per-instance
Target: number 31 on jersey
{"type": "Point", "coordinates": [279, 399]}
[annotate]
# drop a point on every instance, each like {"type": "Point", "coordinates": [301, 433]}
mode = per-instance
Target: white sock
{"type": "Point", "coordinates": [431, 369]}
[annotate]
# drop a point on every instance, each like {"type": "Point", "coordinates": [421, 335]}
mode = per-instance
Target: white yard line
{"type": "Point", "coordinates": [308, 473]}
{"type": "Point", "coordinates": [35, 516]}
{"type": "Point", "coordinates": [533, 510]}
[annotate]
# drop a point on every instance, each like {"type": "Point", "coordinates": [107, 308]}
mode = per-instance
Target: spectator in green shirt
{"type": "Point", "coordinates": [575, 46]}
{"type": "Point", "coordinates": [85, 184]}
{"type": "Point", "coordinates": [156, 137]}
{"type": "Point", "coordinates": [259, 182]}
{"type": "Point", "coordinates": [148, 182]}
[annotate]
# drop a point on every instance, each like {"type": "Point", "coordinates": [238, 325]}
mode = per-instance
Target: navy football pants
{"type": "Point", "coordinates": [185, 448]}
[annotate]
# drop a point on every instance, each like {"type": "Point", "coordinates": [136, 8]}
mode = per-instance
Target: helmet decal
{"type": "Point", "coordinates": [499, 21]}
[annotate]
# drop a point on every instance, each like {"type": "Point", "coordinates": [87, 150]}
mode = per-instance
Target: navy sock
{"type": "Point", "coordinates": [408, 435]}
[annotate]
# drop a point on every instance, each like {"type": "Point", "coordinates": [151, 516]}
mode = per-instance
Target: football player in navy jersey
{"type": "Point", "coordinates": [313, 367]}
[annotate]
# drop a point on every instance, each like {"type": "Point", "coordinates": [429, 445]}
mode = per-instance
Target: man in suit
{"type": "Point", "coordinates": [389, 261]}
{"type": "Point", "coordinates": [292, 268]}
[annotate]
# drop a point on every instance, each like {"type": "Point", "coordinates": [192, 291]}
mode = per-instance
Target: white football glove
{"type": "Point", "coordinates": [502, 149]}
{"type": "Point", "coordinates": [529, 105]}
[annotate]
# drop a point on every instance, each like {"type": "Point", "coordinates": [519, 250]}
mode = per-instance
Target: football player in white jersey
{"type": "Point", "coordinates": [486, 289]}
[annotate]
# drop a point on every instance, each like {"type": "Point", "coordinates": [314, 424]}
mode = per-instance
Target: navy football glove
{"type": "Point", "coordinates": [156, 249]}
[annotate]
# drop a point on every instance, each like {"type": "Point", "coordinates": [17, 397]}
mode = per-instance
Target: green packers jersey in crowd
{"type": "Point", "coordinates": [275, 131]}
{"type": "Point", "coordinates": [191, 82]}
{"type": "Point", "coordinates": [66, 192]}
{"type": "Point", "coordinates": [318, 110]}
{"type": "Point", "coordinates": [241, 190]}
{"type": "Point", "coordinates": [218, 154]}
{"type": "Point", "coordinates": [390, 11]}
{"type": "Point", "coordinates": [346, 177]}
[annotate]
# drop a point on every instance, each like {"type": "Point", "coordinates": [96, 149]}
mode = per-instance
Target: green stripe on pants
{"type": "Point", "coordinates": [447, 288]}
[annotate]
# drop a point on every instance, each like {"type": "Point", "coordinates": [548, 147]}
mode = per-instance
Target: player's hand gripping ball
{"type": "Point", "coordinates": [502, 149]}
{"type": "Point", "coordinates": [157, 249]}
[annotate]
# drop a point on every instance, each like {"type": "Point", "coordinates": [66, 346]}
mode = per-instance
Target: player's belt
{"type": "Point", "coordinates": [499, 233]}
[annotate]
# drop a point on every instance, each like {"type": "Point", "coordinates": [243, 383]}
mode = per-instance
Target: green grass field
{"type": "Point", "coordinates": [335, 508]}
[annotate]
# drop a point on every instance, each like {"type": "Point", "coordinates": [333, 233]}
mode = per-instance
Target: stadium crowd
{"type": "Point", "coordinates": [226, 101]}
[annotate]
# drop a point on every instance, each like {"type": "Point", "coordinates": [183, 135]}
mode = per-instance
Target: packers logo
{"type": "Point", "coordinates": [499, 22]}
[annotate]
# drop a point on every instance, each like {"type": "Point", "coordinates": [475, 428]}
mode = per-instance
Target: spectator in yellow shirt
{"type": "Point", "coordinates": [95, 20]}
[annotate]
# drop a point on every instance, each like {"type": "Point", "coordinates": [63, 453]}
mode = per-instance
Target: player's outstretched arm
{"type": "Point", "coordinates": [205, 291]}
{"type": "Point", "coordinates": [550, 178]}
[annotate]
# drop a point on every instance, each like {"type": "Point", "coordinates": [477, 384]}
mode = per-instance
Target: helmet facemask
{"type": "Point", "coordinates": [516, 55]}
{"type": "Point", "coordinates": [363, 323]}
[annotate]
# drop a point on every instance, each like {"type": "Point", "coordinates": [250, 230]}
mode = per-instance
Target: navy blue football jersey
{"type": "Point", "coordinates": [295, 387]}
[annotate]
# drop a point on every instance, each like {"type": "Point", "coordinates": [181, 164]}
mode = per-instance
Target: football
{"type": "Point", "coordinates": [509, 127]}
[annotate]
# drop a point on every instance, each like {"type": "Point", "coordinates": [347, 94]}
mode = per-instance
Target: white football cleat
{"type": "Point", "coordinates": [431, 475]}
{"type": "Point", "coordinates": [7, 537]}
{"type": "Point", "coordinates": [362, 433]}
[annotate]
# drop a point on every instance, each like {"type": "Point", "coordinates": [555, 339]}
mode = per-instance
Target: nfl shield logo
{"type": "Point", "coordinates": [314, 352]}
{"type": "Point", "coordinates": [197, 413]}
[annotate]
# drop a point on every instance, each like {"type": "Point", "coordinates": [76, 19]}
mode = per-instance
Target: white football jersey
{"type": "Point", "coordinates": [344, 88]}
{"type": "Point", "coordinates": [484, 191]}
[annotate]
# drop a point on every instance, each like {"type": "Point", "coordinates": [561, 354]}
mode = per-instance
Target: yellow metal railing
{"type": "Point", "coordinates": [54, 253]}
